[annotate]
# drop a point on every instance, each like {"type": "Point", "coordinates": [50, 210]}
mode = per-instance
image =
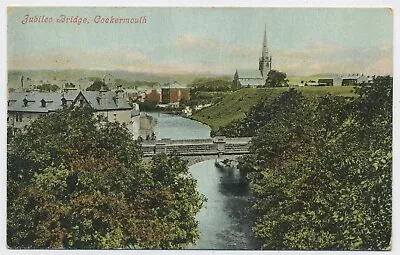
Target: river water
{"type": "Point", "coordinates": [224, 219]}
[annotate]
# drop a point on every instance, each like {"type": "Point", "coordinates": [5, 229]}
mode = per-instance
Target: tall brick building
{"type": "Point", "coordinates": [174, 95]}
{"type": "Point", "coordinates": [154, 96]}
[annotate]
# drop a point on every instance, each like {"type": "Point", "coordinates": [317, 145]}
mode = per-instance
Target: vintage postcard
{"type": "Point", "coordinates": [199, 128]}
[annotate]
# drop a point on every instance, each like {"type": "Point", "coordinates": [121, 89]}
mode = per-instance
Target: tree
{"type": "Point", "coordinates": [276, 79]}
{"type": "Point", "coordinates": [260, 114]}
{"type": "Point", "coordinates": [321, 171]}
{"type": "Point", "coordinates": [48, 87]}
{"type": "Point", "coordinates": [75, 182]}
{"type": "Point", "coordinates": [97, 85]}
{"type": "Point", "coordinates": [220, 84]}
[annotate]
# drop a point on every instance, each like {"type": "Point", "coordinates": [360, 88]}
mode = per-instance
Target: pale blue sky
{"type": "Point", "coordinates": [206, 40]}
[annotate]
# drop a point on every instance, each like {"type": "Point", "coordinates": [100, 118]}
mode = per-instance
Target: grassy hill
{"type": "Point", "coordinates": [234, 105]}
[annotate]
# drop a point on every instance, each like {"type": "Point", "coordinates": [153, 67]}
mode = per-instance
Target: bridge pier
{"type": "Point", "coordinates": [192, 160]}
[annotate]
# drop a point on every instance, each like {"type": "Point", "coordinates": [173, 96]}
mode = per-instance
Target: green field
{"type": "Point", "coordinates": [234, 105]}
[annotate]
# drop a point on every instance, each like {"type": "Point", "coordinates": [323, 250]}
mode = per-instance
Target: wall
{"type": "Point", "coordinates": [27, 118]}
{"type": "Point", "coordinates": [154, 96]}
{"type": "Point", "coordinates": [147, 126]}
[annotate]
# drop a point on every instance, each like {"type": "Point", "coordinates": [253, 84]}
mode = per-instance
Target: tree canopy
{"type": "Point", "coordinates": [75, 182]}
{"type": "Point", "coordinates": [276, 79]}
{"type": "Point", "coordinates": [213, 84]}
{"type": "Point", "coordinates": [321, 170]}
{"type": "Point", "coordinates": [48, 87]}
{"type": "Point", "coordinates": [97, 85]}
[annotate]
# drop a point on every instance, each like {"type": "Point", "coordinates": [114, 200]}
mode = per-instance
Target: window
{"type": "Point", "coordinates": [63, 101]}
{"type": "Point", "coordinates": [18, 117]}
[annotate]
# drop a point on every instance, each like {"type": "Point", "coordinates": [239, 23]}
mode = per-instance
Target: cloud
{"type": "Point", "coordinates": [178, 68]}
{"type": "Point", "coordinates": [195, 42]}
{"type": "Point", "coordinates": [243, 51]}
{"type": "Point", "coordinates": [196, 54]}
{"type": "Point", "coordinates": [76, 58]}
{"type": "Point", "coordinates": [322, 57]}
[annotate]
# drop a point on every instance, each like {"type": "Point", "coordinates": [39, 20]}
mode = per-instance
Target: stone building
{"type": "Point", "coordinates": [255, 77]}
{"type": "Point", "coordinates": [25, 107]}
{"type": "Point", "coordinates": [325, 82]}
{"type": "Point", "coordinates": [174, 95]}
{"type": "Point", "coordinates": [154, 96]}
{"type": "Point", "coordinates": [356, 79]}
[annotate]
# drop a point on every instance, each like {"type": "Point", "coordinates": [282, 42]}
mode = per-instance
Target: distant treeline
{"type": "Point", "coordinates": [218, 84]}
{"type": "Point", "coordinates": [135, 84]}
{"type": "Point", "coordinates": [129, 84]}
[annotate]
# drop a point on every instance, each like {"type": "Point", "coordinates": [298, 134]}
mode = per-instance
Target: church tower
{"type": "Point", "coordinates": [265, 60]}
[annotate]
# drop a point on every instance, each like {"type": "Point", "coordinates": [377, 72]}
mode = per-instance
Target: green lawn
{"type": "Point", "coordinates": [334, 90]}
{"type": "Point", "coordinates": [234, 105]}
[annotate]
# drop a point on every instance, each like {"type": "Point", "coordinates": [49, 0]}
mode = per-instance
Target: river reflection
{"type": "Point", "coordinates": [224, 219]}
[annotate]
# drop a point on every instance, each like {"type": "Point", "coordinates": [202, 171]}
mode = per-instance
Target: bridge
{"type": "Point", "coordinates": [197, 150]}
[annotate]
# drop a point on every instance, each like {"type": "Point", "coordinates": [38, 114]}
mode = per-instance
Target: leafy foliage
{"type": "Point", "coordinates": [321, 170]}
{"type": "Point", "coordinates": [211, 84]}
{"type": "Point", "coordinates": [97, 85]}
{"type": "Point", "coordinates": [48, 87]}
{"type": "Point", "coordinates": [129, 84]}
{"type": "Point", "coordinates": [276, 79]}
{"type": "Point", "coordinates": [147, 106]}
{"type": "Point", "coordinates": [75, 183]}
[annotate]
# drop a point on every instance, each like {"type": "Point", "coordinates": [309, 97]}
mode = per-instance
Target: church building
{"type": "Point", "coordinates": [253, 78]}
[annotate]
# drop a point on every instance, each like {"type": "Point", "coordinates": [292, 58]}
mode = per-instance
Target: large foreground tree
{"type": "Point", "coordinates": [321, 171]}
{"type": "Point", "coordinates": [76, 182]}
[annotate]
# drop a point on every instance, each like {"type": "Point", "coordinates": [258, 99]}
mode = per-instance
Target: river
{"type": "Point", "coordinates": [224, 219]}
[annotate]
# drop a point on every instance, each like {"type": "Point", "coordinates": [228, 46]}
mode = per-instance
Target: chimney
{"type": "Point", "coordinates": [102, 95]}
{"type": "Point", "coordinates": [118, 93]}
{"type": "Point", "coordinates": [25, 102]}
{"type": "Point", "coordinates": [22, 83]}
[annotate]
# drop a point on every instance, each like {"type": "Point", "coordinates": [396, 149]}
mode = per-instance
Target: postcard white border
{"type": "Point", "coordinates": [395, 5]}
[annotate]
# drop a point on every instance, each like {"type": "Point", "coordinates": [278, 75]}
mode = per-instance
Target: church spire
{"type": "Point", "coordinates": [264, 48]}
{"type": "Point", "coordinates": [265, 60]}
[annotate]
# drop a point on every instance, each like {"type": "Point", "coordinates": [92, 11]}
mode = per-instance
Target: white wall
{"type": "Point", "coordinates": [27, 118]}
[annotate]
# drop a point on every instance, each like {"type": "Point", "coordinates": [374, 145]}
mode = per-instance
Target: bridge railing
{"type": "Point", "coordinates": [216, 146]}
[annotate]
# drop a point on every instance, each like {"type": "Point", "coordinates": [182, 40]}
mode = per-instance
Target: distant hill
{"type": "Point", "coordinates": [14, 76]}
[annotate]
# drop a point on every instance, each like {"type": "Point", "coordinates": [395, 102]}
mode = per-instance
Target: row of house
{"type": "Point", "coordinates": [349, 80]}
{"type": "Point", "coordinates": [25, 107]}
